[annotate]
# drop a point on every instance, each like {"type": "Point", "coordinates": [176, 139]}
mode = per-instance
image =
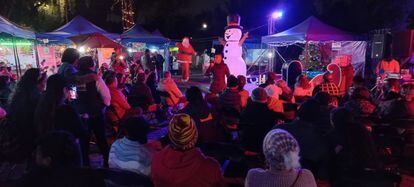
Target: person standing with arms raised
{"type": "Point", "coordinates": [185, 56]}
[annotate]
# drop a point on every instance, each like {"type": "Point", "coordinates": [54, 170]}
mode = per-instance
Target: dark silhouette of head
{"type": "Point", "coordinates": [137, 128]}
{"type": "Point", "coordinates": [86, 63]}
{"type": "Point", "coordinates": [70, 55]}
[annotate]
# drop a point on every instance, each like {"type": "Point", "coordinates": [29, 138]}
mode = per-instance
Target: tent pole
{"type": "Point", "coordinates": [15, 58]}
{"type": "Point", "coordinates": [36, 53]}
{"type": "Point", "coordinates": [280, 55]}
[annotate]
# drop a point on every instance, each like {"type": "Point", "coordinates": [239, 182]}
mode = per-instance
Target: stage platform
{"type": "Point", "coordinates": [203, 82]}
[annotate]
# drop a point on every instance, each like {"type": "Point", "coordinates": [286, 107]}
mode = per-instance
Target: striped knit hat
{"type": "Point", "coordinates": [182, 132]}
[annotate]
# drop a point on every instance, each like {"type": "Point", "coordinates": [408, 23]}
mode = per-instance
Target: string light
{"type": "Point", "coordinates": [127, 14]}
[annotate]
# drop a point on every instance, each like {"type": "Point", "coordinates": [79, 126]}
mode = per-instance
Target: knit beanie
{"type": "Point", "coordinates": [259, 95]}
{"type": "Point", "coordinates": [280, 148]}
{"type": "Point", "coordinates": [182, 132]}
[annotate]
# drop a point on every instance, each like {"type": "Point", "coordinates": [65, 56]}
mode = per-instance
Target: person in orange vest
{"type": "Point", "coordinates": [387, 66]}
{"type": "Point", "coordinates": [185, 56]}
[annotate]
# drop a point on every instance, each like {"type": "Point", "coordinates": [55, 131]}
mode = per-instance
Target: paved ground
{"type": "Point", "coordinates": [197, 79]}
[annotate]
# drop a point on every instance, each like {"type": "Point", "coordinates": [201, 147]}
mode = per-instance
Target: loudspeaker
{"type": "Point", "coordinates": [381, 45]}
{"type": "Point", "coordinates": [378, 41]}
{"type": "Point", "coordinates": [403, 43]}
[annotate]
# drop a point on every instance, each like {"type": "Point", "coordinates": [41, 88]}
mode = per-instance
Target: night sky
{"type": "Point", "coordinates": [178, 18]}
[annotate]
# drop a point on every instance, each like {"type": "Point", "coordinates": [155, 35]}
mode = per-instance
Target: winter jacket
{"type": "Point", "coordinates": [219, 72]}
{"type": "Point", "coordinates": [119, 104]}
{"type": "Point", "coordinates": [168, 85]}
{"type": "Point", "coordinates": [256, 121]}
{"type": "Point", "coordinates": [185, 54]}
{"type": "Point", "coordinates": [230, 99]}
{"type": "Point", "coordinates": [173, 168]}
{"type": "Point", "coordinates": [130, 155]}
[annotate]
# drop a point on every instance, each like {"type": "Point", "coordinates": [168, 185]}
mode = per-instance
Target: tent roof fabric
{"type": "Point", "coordinates": [139, 34]}
{"type": "Point", "coordinates": [312, 29]}
{"type": "Point", "coordinates": [97, 40]}
{"type": "Point", "coordinates": [12, 29]}
{"type": "Point", "coordinates": [77, 26]}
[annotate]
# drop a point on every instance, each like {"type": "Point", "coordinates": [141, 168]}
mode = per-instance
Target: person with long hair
{"type": "Point", "coordinates": [17, 138]}
{"type": "Point", "coordinates": [52, 112]}
{"type": "Point", "coordinates": [24, 98]}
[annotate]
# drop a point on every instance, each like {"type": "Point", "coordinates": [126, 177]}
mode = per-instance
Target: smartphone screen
{"type": "Point", "coordinates": [72, 92]}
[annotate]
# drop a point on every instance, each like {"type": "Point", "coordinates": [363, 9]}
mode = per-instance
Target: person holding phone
{"type": "Point", "coordinates": [53, 112]}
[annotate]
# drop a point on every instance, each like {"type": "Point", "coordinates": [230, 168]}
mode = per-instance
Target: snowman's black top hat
{"type": "Point", "coordinates": [233, 21]}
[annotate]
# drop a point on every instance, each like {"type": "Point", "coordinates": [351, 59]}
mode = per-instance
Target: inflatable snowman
{"type": "Point", "coordinates": [233, 46]}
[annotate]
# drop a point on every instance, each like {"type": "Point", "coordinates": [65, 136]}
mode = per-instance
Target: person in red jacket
{"type": "Point", "coordinates": [220, 72]}
{"type": "Point", "coordinates": [181, 163]}
{"type": "Point", "coordinates": [185, 56]}
{"type": "Point", "coordinates": [118, 100]}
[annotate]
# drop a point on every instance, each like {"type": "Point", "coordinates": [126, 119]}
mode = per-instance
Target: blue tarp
{"type": "Point", "coordinates": [139, 34]}
{"type": "Point", "coordinates": [77, 26]}
{"type": "Point", "coordinates": [12, 29]}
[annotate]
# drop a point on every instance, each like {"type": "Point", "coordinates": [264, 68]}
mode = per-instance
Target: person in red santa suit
{"type": "Point", "coordinates": [185, 56]}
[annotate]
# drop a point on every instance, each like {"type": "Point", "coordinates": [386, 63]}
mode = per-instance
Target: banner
{"type": "Point", "coordinates": [355, 50]}
{"type": "Point", "coordinates": [47, 56]}
{"type": "Point", "coordinates": [104, 55]}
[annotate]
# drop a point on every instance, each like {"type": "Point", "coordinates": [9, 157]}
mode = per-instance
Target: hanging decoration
{"type": "Point", "coordinates": [127, 11]}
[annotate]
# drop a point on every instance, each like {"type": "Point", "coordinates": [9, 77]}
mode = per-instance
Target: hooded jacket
{"type": "Point", "coordinates": [172, 168]}
{"type": "Point", "coordinates": [168, 85]}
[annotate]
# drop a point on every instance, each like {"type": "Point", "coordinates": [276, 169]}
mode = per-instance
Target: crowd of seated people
{"type": "Point", "coordinates": [305, 135]}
